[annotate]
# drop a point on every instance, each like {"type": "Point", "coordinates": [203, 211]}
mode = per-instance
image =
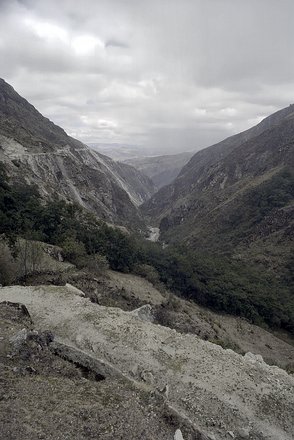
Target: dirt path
{"type": "Point", "coordinates": [225, 394]}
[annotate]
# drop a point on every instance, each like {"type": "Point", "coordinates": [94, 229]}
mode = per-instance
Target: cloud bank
{"type": "Point", "coordinates": [169, 75]}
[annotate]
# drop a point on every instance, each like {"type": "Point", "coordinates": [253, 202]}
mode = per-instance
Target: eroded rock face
{"type": "Point", "coordinates": [221, 393]}
{"type": "Point", "coordinates": [38, 152]}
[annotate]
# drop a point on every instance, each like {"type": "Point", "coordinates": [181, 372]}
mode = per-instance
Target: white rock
{"type": "Point", "coordinates": [144, 313]}
{"type": "Point", "coordinates": [19, 338]}
{"type": "Point", "coordinates": [254, 357]}
{"type": "Point", "coordinates": [178, 435]}
{"type": "Point", "coordinates": [243, 433]}
{"type": "Point", "coordinates": [75, 290]}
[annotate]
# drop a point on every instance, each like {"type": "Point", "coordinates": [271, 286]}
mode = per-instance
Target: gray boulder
{"type": "Point", "coordinates": [144, 313]}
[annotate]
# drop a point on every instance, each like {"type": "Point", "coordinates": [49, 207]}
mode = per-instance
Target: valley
{"type": "Point", "coordinates": [178, 301]}
{"type": "Point", "coordinates": [162, 170]}
{"type": "Point", "coordinates": [235, 200]}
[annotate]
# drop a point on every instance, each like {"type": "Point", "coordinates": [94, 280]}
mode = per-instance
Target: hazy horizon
{"type": "Point", "coordinates": [168, 76]}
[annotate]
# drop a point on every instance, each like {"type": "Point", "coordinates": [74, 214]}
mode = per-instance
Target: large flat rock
{"type": "Point", "coordinates": [225, 394]}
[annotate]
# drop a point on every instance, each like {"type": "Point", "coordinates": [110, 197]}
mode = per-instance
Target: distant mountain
{"type": "Point", "coordinates": [162, 170]}
{"type": "Point", "coordinates": [116, 151]}
{"type": "Point", "coordinates": [37, 151]}
{"type": "Point", "coordinates": [236, 196]}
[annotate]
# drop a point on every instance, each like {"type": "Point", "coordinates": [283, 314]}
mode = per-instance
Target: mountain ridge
{"type": "Point", "coordinates": [221, 180]}
{"type": "Point", "coordinates": [162, 169]}
{"type": "Point", "coordinates": [39, 152]}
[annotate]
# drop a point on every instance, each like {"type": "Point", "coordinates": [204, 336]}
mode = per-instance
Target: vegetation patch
{"type": "Point", "coordinates": [214, 281]}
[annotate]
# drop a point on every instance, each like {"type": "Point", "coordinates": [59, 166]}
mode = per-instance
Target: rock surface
{"type": "Point", "coordinates": [53, 393]}
{"type": "Point", "coordinates": [217, 390]}
{"type": "Point", "coordinates": [144, 313]}
{"type": "Point", "coordinates": [130, 292]}
{"type": "Point", "coordinates": [38, 152]}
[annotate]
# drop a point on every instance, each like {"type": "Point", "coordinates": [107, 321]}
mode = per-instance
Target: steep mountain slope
{"type": "Point", "coordinates": [235, 193]}
{"type": "Point", "coordinates": [139, 186]}
{"type": "Point", "coordinates": [162, 170]}
{"type": "Point", "coordinates": [34, 149]}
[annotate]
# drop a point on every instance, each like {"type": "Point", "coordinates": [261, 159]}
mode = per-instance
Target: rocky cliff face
{"type": "Point", "coordinates": [34, 149]}
{"type": "Point", "coordinates": [237, 191]}
{"type": "Point", "coordinates": [162, 170]}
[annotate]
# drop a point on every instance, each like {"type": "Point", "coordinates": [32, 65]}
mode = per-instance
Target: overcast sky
{"type": "Point", "coordinates": [172, 75]}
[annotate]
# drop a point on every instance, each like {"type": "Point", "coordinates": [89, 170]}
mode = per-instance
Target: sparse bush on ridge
{"type": "Point", "coordinates": [29, 257]}
{"type": "Point", "coordinates": [147, 271]}
{"type": "Point", "coordinates": [26, 257]}
{"type": "Point", "coordinates": [74, 250]}
{"type": "Point", "coordinates": [7, 264]}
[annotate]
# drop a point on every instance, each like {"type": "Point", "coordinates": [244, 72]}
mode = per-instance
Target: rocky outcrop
{"type": "Point", "coordinates": [53, 391]}
{"type": "Point", "coordinates": [217, 392]}
{"type": "Point", "coordinates": [38, 152]}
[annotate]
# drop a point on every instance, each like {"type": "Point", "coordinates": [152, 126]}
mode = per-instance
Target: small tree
{"type": "Point", "coordinates": [30, 257]}
{"type": "Point", "coordinates": [7, 265]}
{"type": "Point", "coordinates": [74, 251]}
{"type": "Point", "coordinates": [96, 264]}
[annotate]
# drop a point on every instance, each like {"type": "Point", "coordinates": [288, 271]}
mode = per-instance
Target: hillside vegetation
{"type": "Point", "coordinates": [232, 207]}
{"type": "Point", "coordinates": [236, 196]}
{"type": "Point", "coordinates": [220, 283]}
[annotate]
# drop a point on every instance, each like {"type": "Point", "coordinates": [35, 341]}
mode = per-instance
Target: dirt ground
{"type": "Point", "coordinates": [223, 394]}
{"type": "Point", "coordinates": [45, 397]}
{"type": "Point", "coordinates": [128, 292]}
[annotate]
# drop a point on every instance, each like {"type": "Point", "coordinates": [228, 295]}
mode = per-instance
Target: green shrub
{"type": "Point", "coordinates": [96, 264]}
{"type": "Point", "coordinates": [74, 251]}
{"type": "Point", "coordinates": [147, 271]}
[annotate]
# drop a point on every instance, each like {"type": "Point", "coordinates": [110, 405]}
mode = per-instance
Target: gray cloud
{"type": "Point", "coordinates": [116, 43]}
{"type": "Point", "coordinates": [170, 75]}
